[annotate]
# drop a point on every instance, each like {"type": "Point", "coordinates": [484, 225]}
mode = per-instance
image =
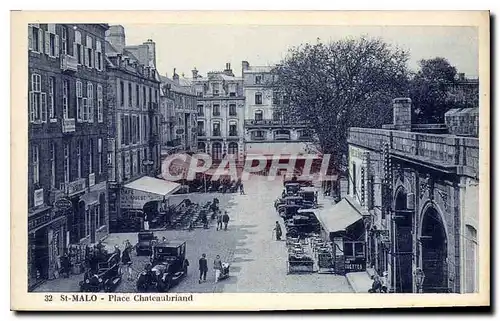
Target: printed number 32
{"type": "Point", "coordinates": [48, 298]}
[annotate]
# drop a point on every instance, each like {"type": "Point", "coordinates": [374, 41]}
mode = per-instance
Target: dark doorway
{"type": "Point", "coordinates": [403, 245]}
{"type": "Point", "coordinates": [41, 254]}
{"type": "Point", "coordinates": [434, 253]}
{"type": "Point", "coordinates": [93, 223]}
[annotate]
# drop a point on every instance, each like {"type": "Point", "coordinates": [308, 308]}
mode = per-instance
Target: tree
{"type": "Point", "coordinates": [429, 90]}
{"type": "Point", "coordinates": [342, 84]}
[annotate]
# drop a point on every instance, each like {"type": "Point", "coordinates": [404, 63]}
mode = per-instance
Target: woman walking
{"type": "Point", "coordinates": [278, 231]}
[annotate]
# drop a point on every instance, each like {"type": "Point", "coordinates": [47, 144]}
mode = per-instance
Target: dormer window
{"type": "Point", "coordinates": [258, 79]}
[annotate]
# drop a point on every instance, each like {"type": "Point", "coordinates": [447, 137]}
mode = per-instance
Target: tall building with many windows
{"type": "Point", "coordinates": [67, 194]}
{"type": "Point", "coordinates": [178, 115]}
{"type": "Point", "coordinates": [134, 126]}
{"type": "Point", "coordinates": [220, 109]}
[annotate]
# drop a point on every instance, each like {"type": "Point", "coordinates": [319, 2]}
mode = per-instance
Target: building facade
{"type": "Point", "coordinates": [67, 176]}
{"type": "Point", "coordinates": [220, 111]}
{"type": "Point", "coordinates": [267, 130]}
{"type": "Point", "coordinates": [179, 123]}
{"type": "Point", "coordinates": [134, 148]}
{"type": "Point", "coordinates": [419, 186]}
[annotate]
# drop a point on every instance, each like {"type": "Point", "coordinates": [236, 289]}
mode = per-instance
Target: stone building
{"type": "Point", "coordinates": [464, 91]}
{"type": "Point", "coordinates": [134, 128]}
{"type": "Point", "coordinates": [419, 188]}
{"type": "Point", "coordinates": [179, 123]}
{"type": "Point", "coordinates": [267, 131]}
{"type": "Point", "coordinates": [67, 135]}
{"type": "Point", "coordinates": [220, 108]}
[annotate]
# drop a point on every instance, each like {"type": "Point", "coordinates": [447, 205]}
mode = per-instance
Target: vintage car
{"type": "Point", "coordinates": [302, 223]}
{"type": "Point", "coordinates": [291, 188]}
{"type": "Point", "coordinates": [145, 242]}
{"type": "Point", "coordinates": [309, 194]}
{"type": "Point", "coordinates": [107, 277]}
{"type": "Point", "coordinates": [168, 266]}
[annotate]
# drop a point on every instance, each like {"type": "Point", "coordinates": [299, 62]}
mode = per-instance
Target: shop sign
{"type": "Point", "coordinates": [63, 204]}
{"type": "Point", "coordinates": [135, 199]}
{"type": "Point", "coordinates": [355, 264]}
{"type": "Point", "coordinates": [76, 186]}
{"type": "Point", "coordinates": [38, 197]}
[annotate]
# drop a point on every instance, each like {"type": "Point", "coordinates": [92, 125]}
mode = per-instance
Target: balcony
{"type": "Point", "coordinates": [68, 125]}
{"type": "Point", "coordinates": [233, 134]}
{"type": "Point", "coordinates": [258, 137]}
{"type": "Point", "coordinates": [216, 133]}
{"type": "Point", "coordinates": [274, 123]}
{"type": "Point", "coordinates": [152, 107]}
{"type": "Point", "coordinates": [74, 187]}
{"type": "Point", "coordinates": [69, 63]}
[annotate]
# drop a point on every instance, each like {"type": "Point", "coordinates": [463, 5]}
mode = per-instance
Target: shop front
{"type": "Point", "coordinates": [342, 226]}
{"type": "Point", "coordinates": [143, 200]}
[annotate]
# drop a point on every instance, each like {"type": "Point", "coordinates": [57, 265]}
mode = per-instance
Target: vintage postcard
{"type": "Point", "coordinates": [211, 160]}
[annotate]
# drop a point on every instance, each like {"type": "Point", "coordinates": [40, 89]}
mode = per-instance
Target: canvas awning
{"type": "Point", "coordinates": [145, 189]}
{"type": "Point", "coordinates": [339, 217]}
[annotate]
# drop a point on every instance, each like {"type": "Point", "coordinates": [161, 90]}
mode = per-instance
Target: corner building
{"type": "Point", "coordinates": [67, 134]}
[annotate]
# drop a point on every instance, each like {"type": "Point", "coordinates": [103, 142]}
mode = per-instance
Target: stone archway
{"type": "Point", "coordinates": [403, 243]}
{"type": "Point", "coordinates": [434, 248]}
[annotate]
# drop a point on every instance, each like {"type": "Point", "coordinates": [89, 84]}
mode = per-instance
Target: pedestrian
{"type": "Point", "coordinates": [217, 267]}
{"type": "Point", "coordinates": [225, 220]}
{"type": "Point", "coordinates": [242, 190]}
{"type": "Point", "coordinates": [278, 231]}
{"type": "Point", "coordinates": [146, 222]}
{"type": "Point", "coordinates": [383, 281]}
{"type": "Point", "coordinates": [117, 251]}
{"type": "Point", "coordinates": [203, 265]}
{"type": "Point", "coordinates": [65, 264]}
{"type": "Point", "coordinates": [219, 222]}
{"type": "Point", "coordinates": [127, 260]}
{"type": "Point", "coordinates": [376, 285]}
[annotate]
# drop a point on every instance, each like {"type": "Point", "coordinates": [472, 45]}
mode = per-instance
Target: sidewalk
{"type": "Point", "coordinates": [360, 282]}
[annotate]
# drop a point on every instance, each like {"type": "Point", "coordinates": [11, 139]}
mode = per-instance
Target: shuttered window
{"type": "Point", "coordinates": [78, 48]}
{"type": "Point", "coordinates": [90, 102]}
{"type": "Point", "coordinates": [100, 111]}
{"type": "Point", "coordinates": [79, 101]}
{"type": "Point", "coordinates": [37, 100]}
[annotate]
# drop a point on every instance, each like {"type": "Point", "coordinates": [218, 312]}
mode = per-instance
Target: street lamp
{"type": "Point", "coordinates": [419, 279]}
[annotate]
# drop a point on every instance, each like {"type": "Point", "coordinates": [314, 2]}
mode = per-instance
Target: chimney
{"type": "Point", "coordinates": [461, 76]}
{"type": "Point", "coordinates": [245, 65]}
{"type": "Point", "coordinates": [195, 73]}
{"type": "Point", "coordinates": [228, 71]}
{"type": "Point", "coordinates": [402, 113]}
{"type": "Point", "coordinates": [115, 35]}
{"type": "Point", "coordinates": [151, 53]}
{"type": "Point", "coordinates": [175, 77]}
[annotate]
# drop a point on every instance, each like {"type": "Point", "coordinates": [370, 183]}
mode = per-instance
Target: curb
{"type": "Point", "coordinates": [351, 283]}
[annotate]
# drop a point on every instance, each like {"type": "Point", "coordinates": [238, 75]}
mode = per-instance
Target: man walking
{"type": "Point", "coordinates": [242, 190]}
{"type": "Point", "coordinates": [219, 222]}
{"type": "Point", "coordinates": [225, 220]}
{"type": "Point", "coordinates": [203, 268]}
{"type": "Point", "coordinates": [217, 268]}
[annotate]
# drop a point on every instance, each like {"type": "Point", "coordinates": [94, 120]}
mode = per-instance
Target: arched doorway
{"type": "Point", "coordinates": [216, 151]}
{"type": "Point", "coordinates": [403, 244]}
{"type": "Point", "coordinates": [201, 147]}
{"type": "Point", "coordinates": [434, 252]}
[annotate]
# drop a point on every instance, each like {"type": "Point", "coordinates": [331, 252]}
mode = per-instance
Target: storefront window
{"type": "Point", "coordinates": [359, 249]}
{"type": "Point", "coordinates": [348, 249]}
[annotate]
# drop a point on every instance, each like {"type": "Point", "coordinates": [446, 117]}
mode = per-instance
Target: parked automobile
{"type": "Point", "coordinates": [145, 242]}
{"type": "Point", "coordinates": [107, 277]}
{"type": "Point", "coordinates": [168, 267]}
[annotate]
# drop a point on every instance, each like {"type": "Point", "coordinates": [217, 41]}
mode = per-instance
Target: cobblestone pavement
{"type": "Point", "coordinates": [258, 263]}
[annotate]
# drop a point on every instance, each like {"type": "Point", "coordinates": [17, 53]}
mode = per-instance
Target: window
{"type": "Point", "coordinates": [232, 109]}
{"type": "Point", "coordinates": [99, 151]}
{"type": "Point", "coordinates": [51, 41]}
{"type": "Point", "coordinates": [122, 93]}
{"type": "Point", "coordinates": [233, 129]}
{"type": "Point", "coordinates": [129, 93]}
{"type": "Point", "coordinates": [91, 156]}
{"type": "Point", "coordinates": [275, 98]}
{"type": "Point", "coordinates": [131, 164]}
{"type": "Point", "coordinates": [217, 151]}
{"type": "Point", "coordinates": [258, 79]}
{"type": "Point", "coordinates": [90, 102]}
{"type": "Point", "coordinates": [258, 98]}
{"type": "Point", "coordinates": [216, 110]}
{"type": "Point", "coordinates": [150, 97]}
{"type": "Point", "coordinates": [78, 48]}
{"type": "Point", "coordinates": [65, 99]}
{"type": "Point", "coordinates": [64, 40]}
{"type": "Point", "coordinates": [79, 149]}
{"type": "Point", "coordinates": [124, 173]}
{"type": "Point", "coordinates": [144, 98]}
{"type": "Point", "coordinates": [276, 115]}
{"type": "Point", "coordinates": [259, 134]}
{"type": "Point", "coordinates": [201, 147]}
{"type": "Point", "coordinates": [52, 112]}
{"type": "Point", "coordinates": [216, 129]}
{"type": "Point", "coordinates": [36, 164]}
{"type": "Point", "coordinates": [35, 37]}
{"type": "Point", "coordinates": [233, 148]}
{"type": "Point", "coordinates": [232, 90]}
{"type": "Point", "coordinates": [122, 126]}
{"type": "Point", "coordinates": [258, 115]}
{"type": "Point", "coordinates": [66, 163]}
{"type": "Point", "coordinates": [201, 128]}
{"type": "Point", "coordinates": [37, 100]}
{"type": "Point", "coordinates": [89, 53]}
{"type": "Point", "coordinates": [98, 55]}
{"type": "Point", "coordinates": [79, 101]}
{"type": "Point", "coordinates": [126, 132]}
{"type": "Point", "coordinates": [100, 111]}
{"type": "Point", "coordinates": [53, 165]}
{"type": "Point", "coordinates": [137, 93]}
{"type": "Point", "coordinates": [200, 110]}
{"type": "Point", "coordinates": [215, 89]}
